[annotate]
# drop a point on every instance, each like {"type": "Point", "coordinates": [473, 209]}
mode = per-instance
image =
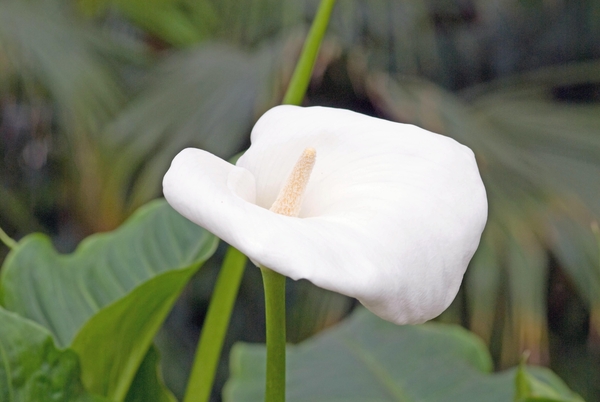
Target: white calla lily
{"type": "Point", "coordinates": [391, 215]}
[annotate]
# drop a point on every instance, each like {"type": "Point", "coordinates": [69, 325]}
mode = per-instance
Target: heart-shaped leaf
{"type": "Point", "coordinates": [368, 359]}
{"type": "Point", "coordinates": [33, 369]}
{"type": "Point", "coordinates": [107, 299]}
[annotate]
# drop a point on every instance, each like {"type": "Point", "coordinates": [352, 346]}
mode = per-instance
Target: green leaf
{"type": "Point", "coordinates": [109, 298]}
{"type": "Point", "coordinates": [368, 359]}
{"type": "Point", "coordinates": [539, 388]}
{"type": "Point", "coordinates": [109, 366]}
{"type": "Point", "coordinates": [61, 292]}
{"type": "Point", "coordinates": [522, 384]}
{"type": "Point", "coordinates": [148, 385]}
{"type": "Point", "coordinates": [33, 369]}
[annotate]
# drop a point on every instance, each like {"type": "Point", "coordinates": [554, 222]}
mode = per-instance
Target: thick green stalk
{"type": "Point", "coordinates": [215, 327]}
{"type": "Point", "coordinates": [301, 77]}
{"type": "Point", "coordinates": [274, 284]}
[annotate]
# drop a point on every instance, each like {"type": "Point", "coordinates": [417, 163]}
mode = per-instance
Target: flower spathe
{"type": "Point", "coordinates": [391, 215]}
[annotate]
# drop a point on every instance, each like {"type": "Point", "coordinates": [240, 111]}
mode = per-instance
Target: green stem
{"type": "Point", "coordinates": [7, 240]}
{"type": "Point", "coordinates": [274, 284]}
{"type": "Point", "coordinates": [301, 77]}
{"type": "Point", "coordinates": [215, 327]}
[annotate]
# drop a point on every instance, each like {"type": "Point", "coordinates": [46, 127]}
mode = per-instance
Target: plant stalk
{"type": "Point", "coordinates": [215, 327]}
{"type": "Point", "coordinates": [303, 71]}
{"type": "Point", "coordinates": [274, 284]}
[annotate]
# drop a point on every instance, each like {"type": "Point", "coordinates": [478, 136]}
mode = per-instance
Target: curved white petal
{"type": "Point", "coordinates": [392, 213]}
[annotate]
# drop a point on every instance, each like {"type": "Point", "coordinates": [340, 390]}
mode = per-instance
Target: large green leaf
{"type": "Point", "coordinates": [109, 298]}
{"type": "Point", "coordinates": [33, 369]}
{"type": "Point", "coordinates": [368, 359]}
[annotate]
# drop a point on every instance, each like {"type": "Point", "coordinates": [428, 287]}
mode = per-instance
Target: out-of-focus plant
{"type": "Point", "coordinates": [60, 87]}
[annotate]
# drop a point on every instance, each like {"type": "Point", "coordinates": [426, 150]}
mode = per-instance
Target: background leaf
{"type": "Point", "coordinates": [33, 369]}
{"type": "Point", "coordinates": [544, 389]}
{"type": "Point", "coordinates": [179, 23]}
{"type": "Point", "coordinates": [177, 110]}
{"type": "Point", "coordinates": [368, 359]}
{"type": "Point", "coordinates": [54, 52]}
{"type": "Point", "coordinates": [55, 67]}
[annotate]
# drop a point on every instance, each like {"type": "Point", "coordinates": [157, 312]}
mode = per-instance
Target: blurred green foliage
{"type": "Point", "coordinates": [97, 96]}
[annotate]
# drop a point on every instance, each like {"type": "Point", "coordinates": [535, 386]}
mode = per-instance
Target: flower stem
{"type": "Point", "coordinates": [215, 327]}
{"type": "Point", "coordinates": [274, 284]}
{"type": "Point", "coordinates": [301, 77]}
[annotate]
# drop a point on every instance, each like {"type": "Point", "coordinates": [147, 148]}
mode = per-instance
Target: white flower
{"type": "Point", "coordinates": [391, 215]}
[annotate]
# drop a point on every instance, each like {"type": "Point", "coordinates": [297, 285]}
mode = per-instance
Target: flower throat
{"type": "Point", "coordinates": [289, 200]}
